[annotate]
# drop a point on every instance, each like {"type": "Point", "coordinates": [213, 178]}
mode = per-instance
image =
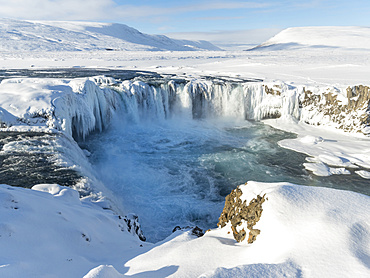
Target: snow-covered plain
{"type": "Point", "coordinates": [305, 231]}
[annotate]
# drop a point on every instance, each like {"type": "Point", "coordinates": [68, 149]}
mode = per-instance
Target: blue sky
{"type": "Point", "coordinates": [222, 19]}
{"type": "Point", "coordinates": [195, 15]}
{"type": "Point", "coordinates": [205, 16]}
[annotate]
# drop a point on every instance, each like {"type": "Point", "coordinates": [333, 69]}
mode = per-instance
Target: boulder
{"type": "Point", "coordinates": [238, 212]}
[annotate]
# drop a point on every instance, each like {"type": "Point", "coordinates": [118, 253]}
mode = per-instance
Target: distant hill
{"type": "Point", "coordinates": [319, 37]}
{"type": "Point", "coordinates": [20, 35]}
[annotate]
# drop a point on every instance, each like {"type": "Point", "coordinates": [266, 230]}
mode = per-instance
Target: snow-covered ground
{"type": "Point", "coordinates": [49, 231]}
{"type": "Point", "coordinates": [305, 231]}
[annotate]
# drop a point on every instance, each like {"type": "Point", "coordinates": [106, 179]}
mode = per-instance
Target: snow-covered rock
{"type": "Point", "coordinates": [305, 232]}
{"type": "Point", "coordinates": [75, 107]}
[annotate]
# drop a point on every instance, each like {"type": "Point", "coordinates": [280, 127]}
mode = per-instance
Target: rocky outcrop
{"type": "Point", "coordinates": [359, 98]}
{"type": "Point", "coordinates": [350, 113]}
{"type": "Point", "coordinates": [348, 110]}
{"type": "Point", "coordinates": [195, 231]}
{"type": "Point", "coordinates": [133, 225]}
{"type": "Point", "coordinates": [275, 90]}
{"type": "Point", "coordinates": [241, 215]}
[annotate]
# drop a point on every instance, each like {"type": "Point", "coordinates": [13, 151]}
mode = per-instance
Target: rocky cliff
{"type": "Point", "coordinates": [350, 113]}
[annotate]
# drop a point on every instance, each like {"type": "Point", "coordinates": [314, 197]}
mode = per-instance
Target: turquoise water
{"type": "Point", "coordinates": [177, 172]}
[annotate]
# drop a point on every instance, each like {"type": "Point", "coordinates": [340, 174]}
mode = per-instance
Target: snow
{"type": "Point", "coordinates": [17, 35]}
{"type": "Point", "coordinates": [103, 271]}
{"type": "Point", "coordinates": [56, 104]}
{"type": "Point", "coordinates": [350, 37]}
{"type": "Point", "coordinates": [321, 169]}
{"type": "Point", "coordinates": [69, 235]}
{"type": "Point", "coordinates": [302, 232]}
{"type": "Point", "coordinates": [326, 147]}
{"type": "Point", "coordinates": [363, 174]}
{"type": "Point", "coordinates": [305, 231]}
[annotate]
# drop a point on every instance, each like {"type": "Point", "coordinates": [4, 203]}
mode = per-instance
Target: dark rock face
{"type": "Point", "coordinates": [133, 225]}
{"type": "Point", "coordinates": [196, 231]}
{"type": "Point", "coordinates": [237, 212]}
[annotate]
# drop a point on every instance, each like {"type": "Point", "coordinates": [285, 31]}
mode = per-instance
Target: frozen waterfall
{"type": "Point", "coordinates": [92, 106]}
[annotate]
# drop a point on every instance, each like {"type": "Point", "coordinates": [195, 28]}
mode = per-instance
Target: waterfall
{"type": "Point", "coordinates": [204, 99]}
{"type": "Point", "coordinates": [90, 105]}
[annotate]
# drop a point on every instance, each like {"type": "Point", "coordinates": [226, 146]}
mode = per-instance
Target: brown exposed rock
{"type": "Point", "coordinates": [351, 116]}
{"type": "Point", "coordinates": [276, 91]}
{"type": "Point", "coordinates": [237, 212]}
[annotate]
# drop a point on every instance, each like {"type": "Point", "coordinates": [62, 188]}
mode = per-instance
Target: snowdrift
{"type": "Point", "coordinates": [19, 35]}
{"type": "Point", "coordinates": [50, 231]}
{"type": "Point", "coordinates": [305, 232]}
{"type": "Point", "coordinates": [319, 37]}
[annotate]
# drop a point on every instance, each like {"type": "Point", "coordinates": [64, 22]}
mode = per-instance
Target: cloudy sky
{"type": "Point", "coordinates": [217, 17]}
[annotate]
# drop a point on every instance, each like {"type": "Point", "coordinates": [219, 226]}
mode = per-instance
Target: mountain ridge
{"type": "Point", "coordinates": [345, 37]}
{"type": "Point", "coordinates": [27, 35]}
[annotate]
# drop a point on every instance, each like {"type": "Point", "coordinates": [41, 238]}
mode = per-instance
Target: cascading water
{"type": "Point", "coordinates": [174, 150]}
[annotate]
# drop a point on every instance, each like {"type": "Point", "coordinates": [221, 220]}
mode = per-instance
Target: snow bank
{"type": "Point", "coordinates": [75, 107]}
{"type": "Point", "coordinates": [50, 231]}
{"type": "Point", "coordinates": [305, 231]}
{"type": "Point", "coordinates": [320, 37]}
{"type": "Point", "coordinates": [104, 271]}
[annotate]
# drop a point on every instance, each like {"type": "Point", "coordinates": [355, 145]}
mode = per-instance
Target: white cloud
{"type": "Point", "coordinates": [56, 9]}
{"type": "Point", "coordinates": [106, 9]}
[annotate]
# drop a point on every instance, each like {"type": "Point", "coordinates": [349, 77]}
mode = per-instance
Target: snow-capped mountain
{"type": "Point", "coordinates": [76, 36]}
{"type": "Point", "coordinates": [320, 37]}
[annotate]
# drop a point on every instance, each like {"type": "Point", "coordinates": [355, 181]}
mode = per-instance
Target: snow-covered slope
{"type": "Point", "coordinates": [76, 36]}
{"type": "Point", "coordinates": [71, 235]}
{"type": "Point", "coordinates": [305, 232]}
{"type": "Point", "coordinates": [319, 37]}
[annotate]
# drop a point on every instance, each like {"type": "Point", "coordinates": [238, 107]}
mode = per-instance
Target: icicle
{"type": "Point", "coordinates": [89, 107]}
